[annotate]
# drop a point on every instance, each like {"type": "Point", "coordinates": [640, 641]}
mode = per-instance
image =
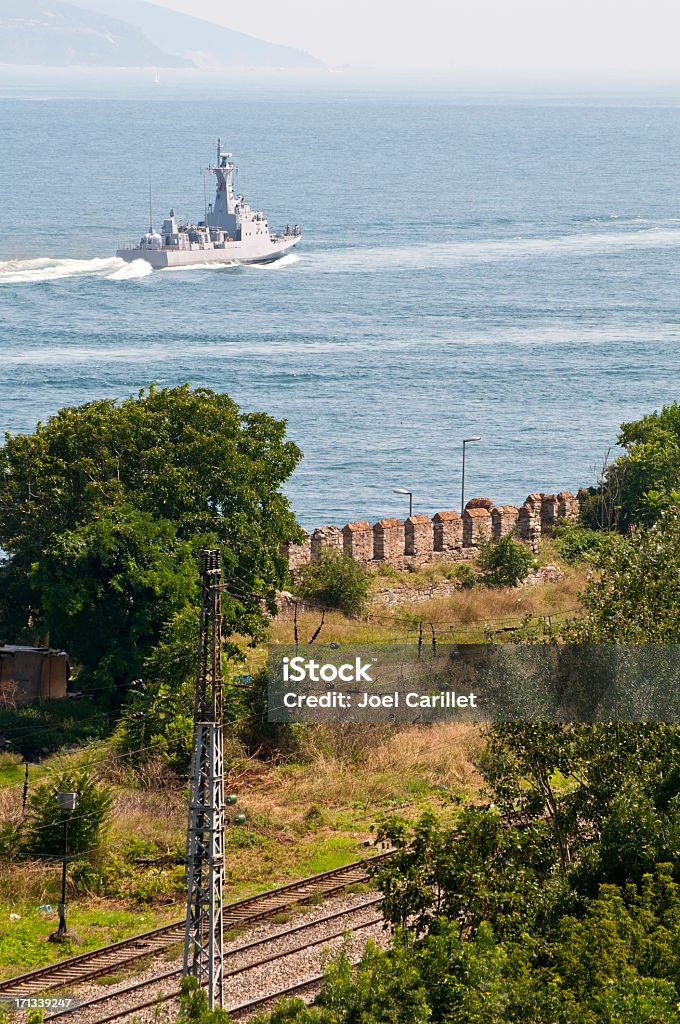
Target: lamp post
{"type": "Point", "coordinates": [466, 440]}
{"type": "Point", "coordinates": [402, 490]}
{"type": "Point", "coordinates": [66, 802]}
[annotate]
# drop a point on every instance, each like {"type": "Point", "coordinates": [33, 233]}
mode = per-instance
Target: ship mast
{"type": "Point", "coordinates": [223, 214]}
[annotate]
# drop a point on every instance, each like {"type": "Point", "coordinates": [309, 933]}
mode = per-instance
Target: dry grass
{"type": "Point", "coordinates": [148, 814]}
{"type": "Point", "coordinates": [441, 754]}
{"type": "Point", "coordinates": [10, 804]}
{"type": "Point", "coordinates": [354, 773]}
{"type": "Point", "coordinates": [318, 812]}
{"type": "Point", "coordinates": [462, 616]}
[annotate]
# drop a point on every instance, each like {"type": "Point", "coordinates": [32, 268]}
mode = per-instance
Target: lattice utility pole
{"type": "Point", "coordinates": [203, 945]}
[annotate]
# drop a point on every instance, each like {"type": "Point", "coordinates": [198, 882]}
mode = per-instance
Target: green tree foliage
{"type": "Point", "coordinates": [635, 595]}
{"type": "Point", "coordinates": [106, 589]}
{"type": "Point", "coordinates": [384, 988]}
{"type": "Point", "coordinates": [157, 723]}
{"type": "Point", "coordinates": [472, 871]}
{"type": "Point", "coordinates": [257, 734]}
{"type": "Point", "coordinates": [617, 962]}
{"type": "Point", "coordinates": [335, 581]}
{"type": "Point", "coordinates": [295, 1011]}
{"type": "Point", "coordinates": [157, 720]}
{"type": "Point", "coordinates": [104, 507]}
{"type": "Point", "coordinates": [505, 562]}
{"type": "Point", "coordinates": [644, 481]}
{"type": "Point", "coordinates": [87, 823]}
{"type": "Point", "coordinates": [577, 543]}
{"type": "Point", "coordinates": [608, 792]}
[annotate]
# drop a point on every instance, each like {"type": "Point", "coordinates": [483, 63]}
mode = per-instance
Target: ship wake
{"type": "Point", "coordinates": [451, 253]}
{"type": "Point", "coordinates": [46, 268]}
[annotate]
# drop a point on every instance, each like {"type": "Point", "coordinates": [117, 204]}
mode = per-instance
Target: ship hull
{"type": "Point", "coordinates": [236, 253]}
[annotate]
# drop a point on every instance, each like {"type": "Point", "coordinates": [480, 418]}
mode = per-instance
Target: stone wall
{"type": "Point", "coordinates": [358, 541]}
{"type": "Point", "coordinates": [446, 537]}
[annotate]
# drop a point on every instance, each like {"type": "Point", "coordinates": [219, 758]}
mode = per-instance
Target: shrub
{"type": "Point", "coordinates": [259, 736]}
{"type": "Point", "coordinates": [579, 544]}
{"type": "Point", "coordinates": [335, 581]}
{"type": "Point", "coordinates": [636, 488]}
{"type": "Point", "coordinates": [87, 823]}
{"type": "Point", "coordinates": [194, 1005]}
{"type": "Point", "coordinates": [158, 723]}
{"type": "Point", "coordinates": [466, 576]}
{"type": "Point", "coordinates": [505, 562]}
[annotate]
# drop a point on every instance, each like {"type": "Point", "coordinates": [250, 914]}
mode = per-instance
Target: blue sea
{"type": "Point", "coordinates": [496, 264]}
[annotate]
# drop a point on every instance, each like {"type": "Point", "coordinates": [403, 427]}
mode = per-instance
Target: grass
{"type": "Point", "coordinates": [11, 769]}
{"type": "Point", "coordinates": [461, 617]}
{"type": "Point", "coordinates": [302, 819]}
{"type": "Point", "coordinates": [305, 817]}
{"type": "Point", "coordinates": [24, 936]}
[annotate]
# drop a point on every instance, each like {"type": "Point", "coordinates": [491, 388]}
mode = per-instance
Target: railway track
{"type": "Point", "coordinates": [258, 953]}
{"type": "Point", "coordinates": [108, 959]}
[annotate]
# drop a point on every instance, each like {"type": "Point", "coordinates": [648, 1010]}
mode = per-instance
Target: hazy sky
{"type": "Point", "coordinates": [623, 38]}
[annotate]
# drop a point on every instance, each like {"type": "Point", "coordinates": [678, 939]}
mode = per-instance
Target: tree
{"type": "Point", "coordinates": [641, 484]}
{"type": "Point", "coordinates": [103, 510]}
{"type": "Point", "coordinates": [505, 562]}
{"type": "Point", "coordinates": [634, 597]}
{"type": "Point", "coordinates": [105, 590]}
{"type": "Point", "coordinates": [157, 720]}
{"type": "Point", "coordinates": [335, 581]}
{"type": "Point", "coordinates": [381, 989]}
{"type": "Point", "coordinates": [472, 871]}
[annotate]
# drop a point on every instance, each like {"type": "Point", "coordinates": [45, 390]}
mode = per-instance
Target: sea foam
{"type": "Point", "coordinates": [46, 268]}
{"type": "Point", "coordinates": [442, 254]}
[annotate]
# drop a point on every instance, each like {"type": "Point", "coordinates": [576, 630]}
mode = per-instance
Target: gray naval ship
{"type": "Point", "coordinates": [232, 231]}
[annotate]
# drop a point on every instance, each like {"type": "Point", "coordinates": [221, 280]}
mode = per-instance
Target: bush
{"type": "Point", "coordinates": [579, 544]}
{"type": "Point", "coordinates": [258, 735]}
{"type": "Point", "coordinates": [194, 1005]}
{"type": "Point", "coordinates": [335, 581]}
{"type": "Point", "coordinates": [505, 562]}
{"type": "Point", "coordinates": [87, 823]}
{"type": "Point", "coordinates": [466, 576]}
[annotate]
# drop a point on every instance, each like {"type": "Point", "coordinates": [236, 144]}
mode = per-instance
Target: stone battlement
{"type": "Point", "coordinates": [445, 537]}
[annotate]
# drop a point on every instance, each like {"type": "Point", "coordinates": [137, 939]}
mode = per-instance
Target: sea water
{"type": "Point", "coordinates": [490, 265]}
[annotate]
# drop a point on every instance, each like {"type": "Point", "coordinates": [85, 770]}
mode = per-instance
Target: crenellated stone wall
{"type": "Point", "coordinates": [476, 526]}
{"type": "Point", "coordinates": [358, 541]}
{"type": "Point", "coordinates": [447, 531]}
{"type": "Point", "coordinates": [445, 537]}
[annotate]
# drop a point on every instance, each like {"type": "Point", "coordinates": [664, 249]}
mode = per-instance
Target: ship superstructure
{"type": "Point", "coordinates": [232, 232]}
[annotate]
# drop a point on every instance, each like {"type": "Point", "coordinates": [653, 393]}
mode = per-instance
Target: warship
{"type": "Point", "coordinates": [232, 232]}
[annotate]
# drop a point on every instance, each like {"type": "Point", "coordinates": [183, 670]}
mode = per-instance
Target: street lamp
{"type": "Point", "coordinates": [402, 490]}
{"type": "Point", "coordinates": [66, 802]}
{"type": "Point", "coordinates": [466, 440]}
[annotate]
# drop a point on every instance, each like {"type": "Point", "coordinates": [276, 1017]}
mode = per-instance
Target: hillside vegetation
{"type": "Point", "coordinates": [536, 878]}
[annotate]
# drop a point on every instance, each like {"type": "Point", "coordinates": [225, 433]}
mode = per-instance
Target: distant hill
{"type": "Point", "coordinates": [52, 33]}
{"type": "Point", "coordinates": [202, 42]}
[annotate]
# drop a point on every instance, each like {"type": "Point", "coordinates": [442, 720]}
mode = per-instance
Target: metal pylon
{"type": "Point", "coordinates": [203, 944]}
